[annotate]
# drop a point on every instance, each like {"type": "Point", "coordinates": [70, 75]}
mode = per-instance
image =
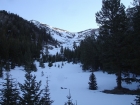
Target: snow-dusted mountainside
{"type": "Point", "coordinates": [65, 38]}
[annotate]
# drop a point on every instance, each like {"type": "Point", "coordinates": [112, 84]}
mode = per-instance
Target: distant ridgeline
{"type": "Point", "coordinates": [20, 41]}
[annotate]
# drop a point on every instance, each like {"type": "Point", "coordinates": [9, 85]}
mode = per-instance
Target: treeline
{"type": "Point", "coordinates": [118, 39]}
{"type": "Point", "coordinates": [117, 47]}
{"type": "Point", "coordinates": [20, 41]}
{"type": "Point", "coordinates": [65, 54]}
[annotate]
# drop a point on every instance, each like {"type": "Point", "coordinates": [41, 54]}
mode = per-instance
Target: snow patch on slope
{"type": "Point", "coordinates": [65, 38]}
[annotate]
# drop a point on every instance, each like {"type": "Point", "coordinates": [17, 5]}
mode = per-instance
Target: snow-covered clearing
{"type": "Point", "coordinates": [71, 76]}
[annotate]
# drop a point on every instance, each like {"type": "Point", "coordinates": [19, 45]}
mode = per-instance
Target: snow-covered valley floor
{"type": "Point", "coordinates": [71, 76]}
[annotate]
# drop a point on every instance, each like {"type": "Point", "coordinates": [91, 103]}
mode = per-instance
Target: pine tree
{"type": "Point", "coordinates": [9, 93]}
{"type": "Point", "coordinates": [69, 102]}
{"type": "Point", "coordinates": [74, 45]}
{"type": "Point", "coordinates": [136, 36]}
{"type": "Point", "coordinates": [42, 73]}
{"type": "Point", "coordinates": [33, 67]}
{"type": "Point", "coordinates": [50, 64]}
{"type": "Point", "coordinates": [46, 95]}
{"type": "Point", "coordinates": [62, 64]}
{"type": "Point", "coordinates": [7, 66]}
{"type": "Point", "coordinates": [112, 32]}
{"type": "Point", "coordinates": [58, 65]}
{"type": "Point", "coordinates": [61, 50]}
{"type": "Point", "coordinates": [30, 66]}
{"type": "Point", "coordinates": [44, 58]}
{"type": "Point", "coordinates": [92, 83]}
{"type": "Point", "coordinates": [1, 71]}
{"type": "Point", "coordinates": [137, 100]}
{"type": "Point", "coordinates": [30, 90]}
{"type": "Point", "coordinates": [41, 64]}
{"type": "Point", "coordinates": [12, 65]}
{"type": "Point", "coordinates": [28, 61]}
{"type": "Point", "coordinates": [89, 53]}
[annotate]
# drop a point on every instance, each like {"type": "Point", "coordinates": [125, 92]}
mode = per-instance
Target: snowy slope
{"type": "Point", "coordinates": [65, 38]}
{"type": "Point", "coordinates": [71, 76]}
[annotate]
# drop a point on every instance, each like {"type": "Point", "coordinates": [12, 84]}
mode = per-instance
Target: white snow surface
{"type": "Point", "coordinates": [65, 38]}
{"type": "Point", "coordinates": [71, 76]}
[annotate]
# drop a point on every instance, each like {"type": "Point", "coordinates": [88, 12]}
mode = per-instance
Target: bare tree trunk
{"type": "Point", "coordinates": [119, 80]}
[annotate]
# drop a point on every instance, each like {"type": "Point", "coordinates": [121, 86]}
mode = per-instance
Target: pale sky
{"type": "Point", "coordinates": [71, 15]}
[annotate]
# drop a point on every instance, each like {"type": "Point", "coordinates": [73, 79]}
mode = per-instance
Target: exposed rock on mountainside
{"type": "Point", "coordinates": [65, 38]}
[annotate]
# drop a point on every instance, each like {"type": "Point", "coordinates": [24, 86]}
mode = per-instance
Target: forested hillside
{"type": "Point", "coordinates": [114, 49]}
{"type": "Point", "coordinates": [20, 42]}
{"type": "Point", "coordinates": [117, 47]}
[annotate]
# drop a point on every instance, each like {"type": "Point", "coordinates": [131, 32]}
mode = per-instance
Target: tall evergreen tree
{"type": "Point", "coordinates": [131, 50]}
{"type": "Point", "coordinates": [1, 71]}
{"type": "Point", "coordinates": [89, 55]}
{"type": "Point", "coordinates": [92, 83]}
{"type": "Point", "coordinates": [136, 36]}
{"type": "Point", "coordinates": [46, 95]}
{"type": "Point", "coordinates": [41, 64]}
{"type": "Point", "coordinates": [61, 50]}
{"type": "Point", "coordinates": [112, 21]}
{"type": "Point", "coordinates": [7, 66]}
{"type": "Point", "coordinates": [137, 100]}
{"type": "Point", "coordinates": [31, 92]}
{"type": "Point", "coordinates": [9, 93]}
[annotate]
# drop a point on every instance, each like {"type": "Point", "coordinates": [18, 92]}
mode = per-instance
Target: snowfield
{"type": "Point", "coordinates": [65, 38]}
{"type": "Point", "coordinates": [71, 76]}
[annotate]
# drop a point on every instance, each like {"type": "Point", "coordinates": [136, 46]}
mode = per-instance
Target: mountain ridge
{"type": "Point", "coordinates": [64, 37]}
